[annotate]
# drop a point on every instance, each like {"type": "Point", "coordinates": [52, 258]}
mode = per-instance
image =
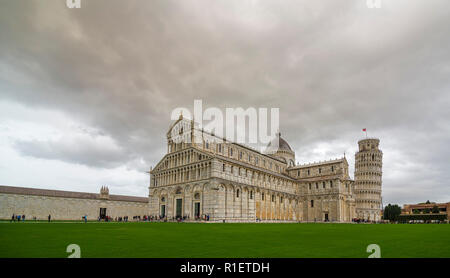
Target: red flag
{"type": "Point", "coordinates": [364, 129]}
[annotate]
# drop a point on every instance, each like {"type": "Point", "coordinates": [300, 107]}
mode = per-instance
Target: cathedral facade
{"type": "Point", "coordinates": [203, 176]}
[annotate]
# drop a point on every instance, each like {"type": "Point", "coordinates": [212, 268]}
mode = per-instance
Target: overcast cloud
{"type": "Point", "coordinates": [86, 94]}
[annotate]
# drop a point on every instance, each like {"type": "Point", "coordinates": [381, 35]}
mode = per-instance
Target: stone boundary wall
{"type": "Point", "coordinates": [67, 208]}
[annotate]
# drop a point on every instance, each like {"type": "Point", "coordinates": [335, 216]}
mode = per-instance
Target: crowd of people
{"type": "Point", "coordinates": [149, 218]}
{"type": "Point", "coordinates": [21, 218]}
{"type": "Point", "coordinates": [17, 218]}
{"type": "Point", "coordinates": [358, 220]}
{"type": "Point", "coordinates": [136, 218]}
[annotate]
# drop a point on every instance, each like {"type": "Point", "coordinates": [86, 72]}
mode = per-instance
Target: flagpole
{"type": "Point", "coordinates": [365, 130]}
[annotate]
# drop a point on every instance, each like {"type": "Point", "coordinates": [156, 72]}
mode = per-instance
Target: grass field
{"type": "Point", "coordinates": [170, 240]}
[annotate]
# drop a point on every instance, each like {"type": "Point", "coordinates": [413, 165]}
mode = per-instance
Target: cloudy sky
{"type": "Point", "coordinates": [86, 94]}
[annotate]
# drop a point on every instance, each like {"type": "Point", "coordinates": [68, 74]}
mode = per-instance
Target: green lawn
{"type": "Point", "coordinates": [148, 240]}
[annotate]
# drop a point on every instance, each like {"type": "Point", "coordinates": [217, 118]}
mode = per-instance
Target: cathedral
{"type": "Point", "coordinates": [203, 176]}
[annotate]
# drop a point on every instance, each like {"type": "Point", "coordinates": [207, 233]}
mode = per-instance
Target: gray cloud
{"type": "Point", "coordinates": [84, 150]}
{"type": "Point", "coordinates": [332, 68]}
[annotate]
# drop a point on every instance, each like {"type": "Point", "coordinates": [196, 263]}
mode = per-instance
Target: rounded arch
{"type": "Point", "coordinates": [177, 190]}
{"type": "Point", "coordinates": [230, 187]}
{"type": "Point", "coordinates": [196, 188]}
{"type": "Point", "coordinates": [237, 191]}
{"type": "Point", "coordinates": [207, 186]}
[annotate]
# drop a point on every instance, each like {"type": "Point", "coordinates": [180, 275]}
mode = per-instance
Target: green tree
{"type": "Point", "coordinates": [391, 212]}
{"type": "Point", "coordinates": [416, 211]}
{"type": "Point", "coordinates": [427, 210]}
{"type": "Point", "coordinates": [428, 202]}
{"type": "Point", "coordinates": [435, 209]}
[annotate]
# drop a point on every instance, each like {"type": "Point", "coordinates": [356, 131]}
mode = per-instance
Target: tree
{"type": "Point", "coordinates": [391, 212]}
{"type": "Point", "coordinates": [427, 210]}
{"type": "Point", "coordinates": [428, 202]}
{"type": "Point", "coordinates": [435, 209]}
{"type": "Point", "coordinates": [416, 211]}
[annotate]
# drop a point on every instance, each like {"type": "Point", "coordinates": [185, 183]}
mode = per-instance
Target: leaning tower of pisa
{"type": "Point", "coordinates": [368, 165]}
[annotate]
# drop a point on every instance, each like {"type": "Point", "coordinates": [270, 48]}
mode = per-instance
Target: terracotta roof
{"type": "Point", "coordinates": [412, 206]}
{"type": "Point", "coordinates": [66, 194]}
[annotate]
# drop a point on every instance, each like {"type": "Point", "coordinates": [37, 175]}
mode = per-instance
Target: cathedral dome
{"type": "Point", "coordinates": [278, 148]}
{"type": "Point", "coordinates": [282, 144]}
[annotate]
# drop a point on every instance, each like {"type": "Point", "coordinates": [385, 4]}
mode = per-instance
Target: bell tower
{"type": "Point", "coordinates": [368, 173]}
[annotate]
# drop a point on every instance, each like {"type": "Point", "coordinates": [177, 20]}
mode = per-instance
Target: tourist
{"type": "Point", "coordinates": [13, 218]}
{"type": "Point", "coordinates": [23, 218]}
{"type": "Point", "coordinates": [49, 217]}
{"type": "Point", "coordinates": [18, 218]}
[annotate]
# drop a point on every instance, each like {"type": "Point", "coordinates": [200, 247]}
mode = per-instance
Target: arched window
{"type": "Point", "coordinates": [223, 167]}
{"type": "Point", "coordinates": [273, 198]}
{"type": "Point", "coordinates": [323, 184]}
{"type": "Point", "coordinates": [312, 203]}
{"type": "Point", "coordinates": [251, 194]}
{"type": "Point", "coordinates": [262, 196]}
{"type": "Point", "coordinates": [237, 193]}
